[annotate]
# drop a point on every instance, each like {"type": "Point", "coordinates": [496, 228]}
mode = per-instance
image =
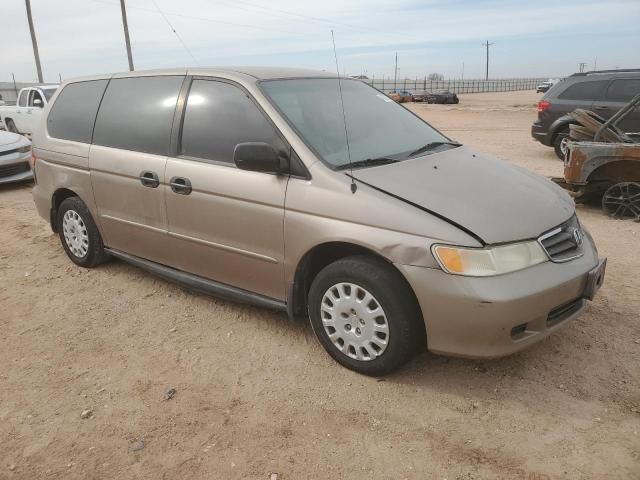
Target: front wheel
{"type": "Point", "coordinates": [622, 200]}
{"type": "Point", "coordinates": [365, 315]}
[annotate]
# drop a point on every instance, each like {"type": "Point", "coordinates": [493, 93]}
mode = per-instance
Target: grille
{"type": "Point", "coordinates": [564, 242]}
{"type": "Point", "coordinates": [13, 169]}
{"type": "Point", "coordinates": [8, 152]}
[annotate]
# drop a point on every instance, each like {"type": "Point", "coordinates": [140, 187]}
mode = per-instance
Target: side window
{"type": "Point", "coordinates": [219, 116]}
{"type": "Point", "coordinates": [136, 114]}
{"type": "Point", "coordinates": [35, 95]}
{"type": "Point", "coordinates": [623, 90]}
{"type": "Point", "coordinates": [74, 112]}
{"type": "Point", "coordinates": [22, 101]}
{"type": "Point", "coordinates": [584, 90]}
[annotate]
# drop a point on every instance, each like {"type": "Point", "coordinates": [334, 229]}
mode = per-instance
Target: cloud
{"type": "Point", "coordinates": [79, 37]}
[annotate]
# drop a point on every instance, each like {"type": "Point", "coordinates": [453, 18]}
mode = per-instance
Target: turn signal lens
{"type": "Point", "coordinates": [486, 262]}
{"type": "Point", "coordinates": [451, 259]}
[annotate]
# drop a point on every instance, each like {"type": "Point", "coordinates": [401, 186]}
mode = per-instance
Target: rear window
{"type": "Point", "coordinates": [623, 90]}
{"type": "Point", "coordinates": [137, 114]}
{"type": "Point", "coordinates": [74, 112]}
{"type": "Point", "coordinates": [584, 90]}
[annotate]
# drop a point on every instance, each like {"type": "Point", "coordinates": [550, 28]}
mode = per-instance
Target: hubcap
{"type": "Point", "coordinates": [75, 233]}
{"type": "Point", "coordinates": [354, 321]}
{"type": "Point", "coordinates": [564, 143]}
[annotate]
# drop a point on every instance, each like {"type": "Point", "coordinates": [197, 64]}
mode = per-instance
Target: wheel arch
{"type": "Point", "coordinates": [559, 126]}
{"type": "Point", "coordinates": [623, 170]}
{"type": "Point", "coordinates": [318, 257]}
{"type": "Point", "coordinates": [57, 198]}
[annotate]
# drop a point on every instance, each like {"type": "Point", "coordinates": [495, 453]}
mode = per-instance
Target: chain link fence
{"type": "Point", "coordinates": [457, 86]}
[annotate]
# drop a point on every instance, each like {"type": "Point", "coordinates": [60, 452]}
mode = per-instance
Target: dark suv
{"type": "Point", "coordinates": [604, 92]}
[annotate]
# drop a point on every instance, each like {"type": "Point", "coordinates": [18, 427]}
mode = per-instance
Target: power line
{"type": "Point", "coordinates": [204, 19]}
{"type": "Point", "coordinates": [299, 15]}
{"type": "Point", "coordinates": [174, 31]}
{"type": "Point", "coordinates": [250, 7]}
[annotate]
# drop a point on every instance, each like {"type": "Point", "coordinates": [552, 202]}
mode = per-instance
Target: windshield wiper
{"type": "Point", "coordinates": [368, 162]}
{"type": "Point", "coordinates": [432, 146]}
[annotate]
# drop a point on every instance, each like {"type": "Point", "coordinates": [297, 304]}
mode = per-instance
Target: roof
{"type": "Point", "coordinates": [264, 73]}
{"type": "Point", "coordinates": [246, 74]}
{"type": "Point", "coordinates": [255, 73]}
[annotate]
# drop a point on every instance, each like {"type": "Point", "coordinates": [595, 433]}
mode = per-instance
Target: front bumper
{"type": "Point", "coordinates": [15, 167]}
{"type": "Point", "coordinates": [495, 316]}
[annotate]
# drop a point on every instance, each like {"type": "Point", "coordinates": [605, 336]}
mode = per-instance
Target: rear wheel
{"type": "Point", "coordinates": [79, 234]}
{"type": "Point", "coordinates": [365, 315]}
{"type": "Point", "coordinates": [560, 143]}
{"type": "Point", "coordinates": [622, 200]}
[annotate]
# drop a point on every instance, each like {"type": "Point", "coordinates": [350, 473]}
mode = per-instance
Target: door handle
{"type": "Point", "coordinates": [180, 185]}
{"type": "Point", "coordinates": [601, 107]}
{"type": "Point", "coordinates": [149, 179]}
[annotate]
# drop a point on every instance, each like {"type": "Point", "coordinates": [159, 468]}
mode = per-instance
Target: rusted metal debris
{"type": "Point", "coordinates": [603, 163]}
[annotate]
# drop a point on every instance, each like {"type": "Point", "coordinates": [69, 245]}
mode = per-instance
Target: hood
{"type": "Point", "coordinates": [493, 199]}
{"type": "Point", "coordinates": [7, 138]}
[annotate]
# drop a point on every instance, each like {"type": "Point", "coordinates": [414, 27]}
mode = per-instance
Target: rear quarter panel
{"type": "Point", "coordinates": [60, 164]}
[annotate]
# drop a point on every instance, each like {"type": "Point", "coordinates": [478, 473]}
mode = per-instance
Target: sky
{"type": "Point", "coordinates": [538, 38]}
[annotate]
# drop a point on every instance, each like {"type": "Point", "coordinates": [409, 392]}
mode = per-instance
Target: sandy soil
{"type": "Point", "coordinates": [257, 395]}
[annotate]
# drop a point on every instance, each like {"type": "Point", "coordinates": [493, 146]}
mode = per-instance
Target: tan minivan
{"type": "Point", "coordinates": [296, 190]}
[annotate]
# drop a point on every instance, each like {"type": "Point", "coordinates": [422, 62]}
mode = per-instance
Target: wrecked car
{"type": "Point", "coordinates": [318, 196]}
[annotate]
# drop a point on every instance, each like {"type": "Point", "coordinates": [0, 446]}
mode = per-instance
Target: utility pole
{"type": "Point", "coordinates": [487, 45]}
{"type": "Point", "coordinates": [125, 25]}
{"type": "Point", "coordinates": [582, 65]}
{"type": "Point", "coordinates": [395, 73]}
{"type": "Point", "coordinates": [33, 41]}
{"type": "Point", "coordinates": [595, 63]}
{"type": "Point", "coordinates": [462, 72]}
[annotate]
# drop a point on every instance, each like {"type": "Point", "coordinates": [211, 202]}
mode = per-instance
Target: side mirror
{"type": "Point", "coordinates": [257, 157]}
{"type": "Point", "coordinates": [37, 103]}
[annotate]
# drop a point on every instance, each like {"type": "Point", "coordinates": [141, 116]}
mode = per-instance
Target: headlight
{"type": "Point", "coordinates": [486, 262]}
{"type": "Point", "coordinates": [25, 149]}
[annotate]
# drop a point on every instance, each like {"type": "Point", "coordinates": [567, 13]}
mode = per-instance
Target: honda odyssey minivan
{"type": "Point", "coordinates": [318, 196]}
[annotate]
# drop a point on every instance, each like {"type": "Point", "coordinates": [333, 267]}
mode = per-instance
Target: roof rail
{"type": "Point", "coordinates": [616, 70]}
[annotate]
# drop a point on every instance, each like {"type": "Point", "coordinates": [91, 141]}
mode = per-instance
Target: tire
{"type": "Point", "coordinates": [394, 344]}
{"type": "Point", "coordinates": [558, 146]}
{"type": "Point", "coordinates": [11, 127]}
{"type": "Point", "coordinates": [85, 246]}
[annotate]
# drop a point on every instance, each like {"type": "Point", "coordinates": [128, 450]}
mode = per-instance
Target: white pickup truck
{"type": "Point", "coordinates": [25, 114]}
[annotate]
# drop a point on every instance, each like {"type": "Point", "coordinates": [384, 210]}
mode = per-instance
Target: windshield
{"type": "Point", "coordinates": [377, 126]}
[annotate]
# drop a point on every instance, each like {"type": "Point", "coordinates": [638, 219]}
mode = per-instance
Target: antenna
{"type": "Point", "coordinates": [354, 187]}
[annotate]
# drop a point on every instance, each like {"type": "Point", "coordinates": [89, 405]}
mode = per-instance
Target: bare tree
{"type": "Point", "coordinates": [435, 77]}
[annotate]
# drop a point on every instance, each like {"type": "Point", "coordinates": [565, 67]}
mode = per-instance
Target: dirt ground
{"type": "Point", "coordinates": [256, 394]}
